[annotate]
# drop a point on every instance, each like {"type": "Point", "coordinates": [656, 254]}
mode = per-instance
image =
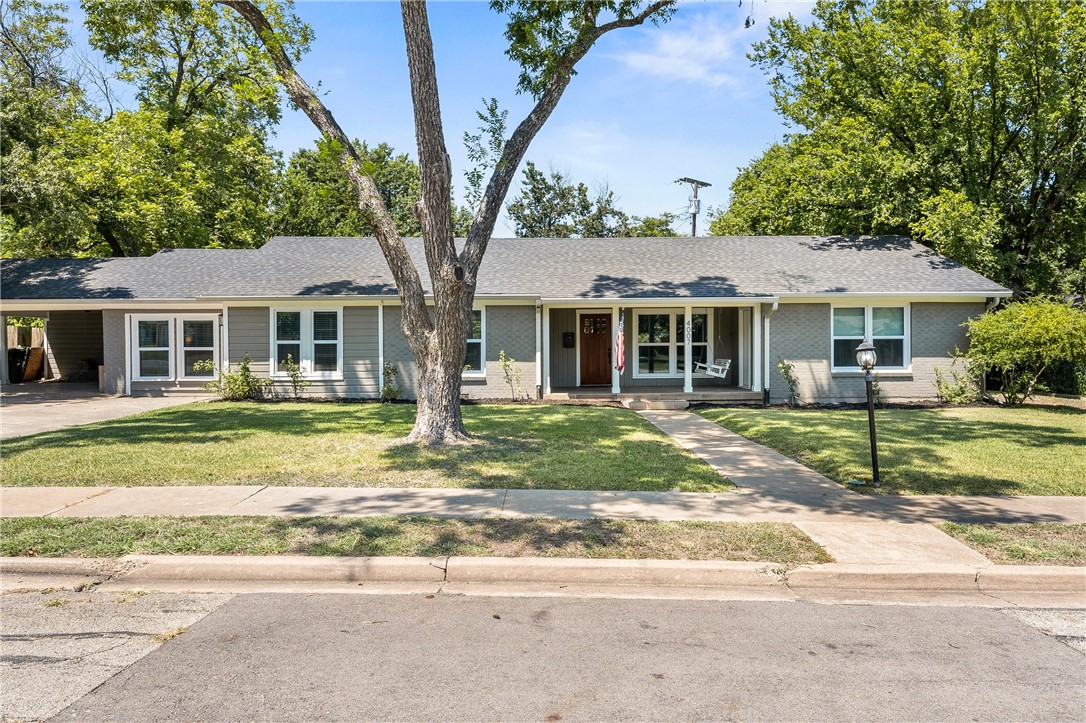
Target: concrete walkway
{"type": "Point", "coordinates": [32, 408]}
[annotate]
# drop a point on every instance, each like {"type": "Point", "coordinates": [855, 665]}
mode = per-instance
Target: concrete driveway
{"type": "Point", "coordinates": [45, 406]}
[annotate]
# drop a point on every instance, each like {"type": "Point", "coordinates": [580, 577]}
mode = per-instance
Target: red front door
{"type": "Point", "coordinates": [595, 349]}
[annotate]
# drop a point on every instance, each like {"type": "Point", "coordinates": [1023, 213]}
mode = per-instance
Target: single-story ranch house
{"type": "Point", "coordinates": [553, 305]}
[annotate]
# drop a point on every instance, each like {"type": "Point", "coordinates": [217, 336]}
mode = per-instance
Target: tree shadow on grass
{"type": "Point", "coordinates": [918, 449]}
{"type": "Point", "coordinates": [572, 448]}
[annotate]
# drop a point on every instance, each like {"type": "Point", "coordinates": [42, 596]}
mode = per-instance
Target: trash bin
{"type": "Point", "coordinates": [16, 363]}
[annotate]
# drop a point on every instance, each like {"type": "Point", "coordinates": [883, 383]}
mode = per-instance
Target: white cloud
{"type": "Point", "coordinates": [707, 45]}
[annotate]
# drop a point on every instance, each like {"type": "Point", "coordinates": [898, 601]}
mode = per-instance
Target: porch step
{"type": "Point", "coordinates": [673, 404]}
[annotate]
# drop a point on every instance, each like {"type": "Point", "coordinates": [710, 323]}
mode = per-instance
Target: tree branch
{"type": "Point", "coordinates": [487, 214]}
{"type": "Point", "coordinates": [395, 251]}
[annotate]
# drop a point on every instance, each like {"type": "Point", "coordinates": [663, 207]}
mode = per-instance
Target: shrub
{"type": "Point", "coordinates": [237, 383]}
{"type": "Point", "coordinates": [511, 374]}
{"type": "Point", "coordinates": [389, 389]}
{"type": "Point", "coordinates": [1020, 341]}
{"type": "Point", "coordinates": [963, 387]}
{"type": "Point", "coordinates": [296, 375]}
{"type": "Point", "coordinates": [788, 371]}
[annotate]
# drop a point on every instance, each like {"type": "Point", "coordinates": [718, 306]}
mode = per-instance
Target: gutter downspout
{"type": "Point", "coordinates": [765, 347]}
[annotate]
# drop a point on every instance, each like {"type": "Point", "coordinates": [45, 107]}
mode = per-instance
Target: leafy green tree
{"type": "Point", "coordinates": [1023, 339]}
{"type": "Point", "coordinates": [547, 40]}
{"type": "Point", "coordinates": [959, 123]}
{"type": "Point", "coordinates": [316, 199]}
{"type": "Point", "coordinates": [661, 226]}
{"type": "Point", "coordinates": [550, 205]}
{"type": "Point", "coordinates": [40, 97]}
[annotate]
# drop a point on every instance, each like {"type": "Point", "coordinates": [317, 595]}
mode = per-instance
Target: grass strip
{"type": "Point", "coordinates": [407, 536]}
{"type": "Point", "coordinates": [947, 450]}
{"type": "Point", "coordinates": [1046, 543]}
{"type": "Point", "coordinates": [354, 445]}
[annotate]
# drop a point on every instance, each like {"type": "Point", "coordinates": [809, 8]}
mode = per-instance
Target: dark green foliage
{"type": "Point", "coordinates": [962, 124]}
{"type": "Point", "coordinates": [316, 199]}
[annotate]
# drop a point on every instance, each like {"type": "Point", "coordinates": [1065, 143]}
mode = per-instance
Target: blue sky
{"type": "Point", "coordinates": [647, 106]}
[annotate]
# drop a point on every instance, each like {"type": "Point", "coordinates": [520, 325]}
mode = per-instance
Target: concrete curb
{"type": "Point", "coordinates": [291, 568]}
{"type": "Point", "coordinates": [612, 572]}
{"type": "Point", "coordinates": [146, 569]}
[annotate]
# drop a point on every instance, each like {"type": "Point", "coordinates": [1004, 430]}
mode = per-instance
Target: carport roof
{"type": "Point", "coordinates": [614, 268]}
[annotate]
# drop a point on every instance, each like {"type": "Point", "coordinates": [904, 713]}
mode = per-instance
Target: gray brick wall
{"type": "Point", "coordinates": [800, 333]}
{"type": "Point", "coordinates": [509, 327]}
{"type": "Point", "coordinates": [113, 351]}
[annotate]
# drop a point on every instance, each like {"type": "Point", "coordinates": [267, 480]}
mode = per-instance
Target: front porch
{"type": "Point", "coordinates": [669, 351]}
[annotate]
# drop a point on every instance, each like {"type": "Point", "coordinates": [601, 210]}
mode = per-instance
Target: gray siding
{"type": "Point", "coordinates": [800, 333]}
{"type": "Point", "coordinates": [250, 332]}
{"type": "Point", "coordinates": [508, 327]}
{"type": "Point", "coordinates": [563, 361]}
{"type": "Point", "coordinates": [74, 339]}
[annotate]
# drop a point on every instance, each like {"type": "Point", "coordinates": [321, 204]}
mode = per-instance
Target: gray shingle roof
{"type": "Point", "coordinates": [737, 266]}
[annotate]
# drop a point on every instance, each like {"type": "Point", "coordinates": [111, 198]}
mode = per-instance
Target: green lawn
{"type": "Point", "coordinates": [327, 444]}
{"type": "Point", "coordinates": [951, 450]}
{"type": "Point", "coordinates": [1024, 544]}
{"type": "Point", "coordinates": [407, 536]}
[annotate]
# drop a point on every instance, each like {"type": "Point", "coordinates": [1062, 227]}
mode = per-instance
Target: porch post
{"type": "Point", "coordinates": [615, 376]}
{"type": "Point", "coordinates": [756, 351]}
{"type": "Point", "coordinates": [688, 349]}
{"type": "Point", "coordinates": [538, 350]}
{"type": "Point", "coordinates": [546, 350]}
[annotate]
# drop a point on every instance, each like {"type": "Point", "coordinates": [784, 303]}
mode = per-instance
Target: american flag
{"type": "Point", "coordinates": [620, 343]}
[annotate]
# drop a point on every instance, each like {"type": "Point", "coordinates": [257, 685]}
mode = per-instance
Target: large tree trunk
{"type": "Point", "coordinates": [438, 341]}
{"type": "Point", "coordinates": [438, 419]}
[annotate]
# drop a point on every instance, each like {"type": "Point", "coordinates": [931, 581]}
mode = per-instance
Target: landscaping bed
{"type": "Point", "coordinates": [984, 450]}
{"type": "Point", "coordinates": [1024, 544]}
{"type": "Point", "coordinates": [355, 445]}
{"type": "Point", "coordinates": [408, 536]}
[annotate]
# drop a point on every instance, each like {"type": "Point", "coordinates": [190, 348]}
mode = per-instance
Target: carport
{"type": "Point", "coordinates": [73, 345]}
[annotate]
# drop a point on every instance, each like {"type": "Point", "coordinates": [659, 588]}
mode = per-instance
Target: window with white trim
{"type": "Point", "coordinates": [474, 356]}
{"type": "Point", "coordinates": [660, 342]}
{"type": "Point", "coordinates": [168, 347]}
{"type": "Point", "coordinates": [886, 327]}
{"type": "Point", "coordinates": [153, 349]}
{"type": "Point", "coordinates": [310, 338]}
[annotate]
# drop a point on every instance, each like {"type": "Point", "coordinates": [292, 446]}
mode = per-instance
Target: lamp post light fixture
{"type": "Point", "coordinates": [866, 358]}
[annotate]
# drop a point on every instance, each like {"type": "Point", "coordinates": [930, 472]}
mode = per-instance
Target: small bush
{"type": "Point", "coordinates": [296, 375]}
{"type": "Point", "coordinates": [963, 386]}
{"type": "Point", "coordinates": [788, 371]}
{"type": "Point", "coordinates": [511, 374]}
{"type": "Point", "coordinates": [237, 383]}
{"type": "Point", "coordinates": [390, 391]}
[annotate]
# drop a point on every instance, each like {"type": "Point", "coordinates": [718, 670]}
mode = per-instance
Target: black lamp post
{"type": "Point", "coordinates": [866, 358]}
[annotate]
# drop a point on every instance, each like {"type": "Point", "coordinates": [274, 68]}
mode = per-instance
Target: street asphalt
{"type": "Point", "coordinates": [442, 657]}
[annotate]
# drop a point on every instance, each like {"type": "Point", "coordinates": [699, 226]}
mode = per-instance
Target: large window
{"type": "Point", "coordinates": [660, 342]}
{"type": "Point", "coordinates": [310, 338]}
{"type": "Point", "coordinates": [886, 326]}
{"type": "Point", "coordinates": [474, 357]}
{"type": "Point", "coordinates": [167, 347]}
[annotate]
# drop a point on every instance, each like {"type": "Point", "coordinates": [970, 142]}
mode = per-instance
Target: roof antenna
{"type": "Point", "coordinates": [695, 204]}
